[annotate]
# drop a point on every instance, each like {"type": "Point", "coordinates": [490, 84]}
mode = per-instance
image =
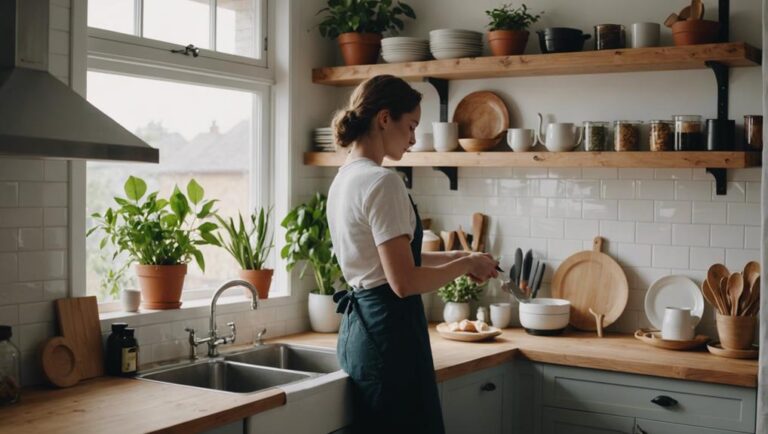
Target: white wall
{"type": "Point", "coordinates": [656, 222]}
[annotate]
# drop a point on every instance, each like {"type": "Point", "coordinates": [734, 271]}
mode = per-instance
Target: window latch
{"type": "Point", "coordinates": [189, 49]}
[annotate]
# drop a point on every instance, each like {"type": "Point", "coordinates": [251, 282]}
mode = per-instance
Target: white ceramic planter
{"type": "Point", "coordinates": [453, 312]}
{"type": "Point", "coordinates": [322, 313]}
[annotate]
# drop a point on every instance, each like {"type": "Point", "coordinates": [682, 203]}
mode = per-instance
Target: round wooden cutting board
{"type": "Point", "coordinates": [591, 279]}
{"type": "Point", "coordinates": [481, 115]}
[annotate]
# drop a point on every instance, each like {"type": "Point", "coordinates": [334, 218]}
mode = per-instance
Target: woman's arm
{"type": "Point", "coordinates": [407, 279]}
{"type": "Point", "coordinates": [433, 259]}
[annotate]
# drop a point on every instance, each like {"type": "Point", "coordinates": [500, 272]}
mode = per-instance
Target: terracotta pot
{"type": "Point", "coordinates": [692, 32]}
{"type": "Point", "coordinates": [261, 279]}
{"type": "Point", "coordinates": [736, 332]}
{"type": "Point", "coordinates": [161, 285]}
{"type": "Point", "coordinates": [360, 48]}
{"type": "Point", "coordinates": [507, 42]}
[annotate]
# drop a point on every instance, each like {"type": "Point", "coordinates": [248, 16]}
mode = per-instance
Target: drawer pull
{"type": "Point", "coordinates": [664, 401]}
{"type": "Point", "coordinates": [488, 387]}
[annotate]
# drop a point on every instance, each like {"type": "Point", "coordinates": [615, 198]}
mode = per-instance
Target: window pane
{"type": "Point", "coordinates": [178, 21]}
{"type": "Point", "coordinates": [237, 29]}
{"type": "Point", "coordinates": [203, 133]}
{"type": "Point", "coordinates": [115, 15]}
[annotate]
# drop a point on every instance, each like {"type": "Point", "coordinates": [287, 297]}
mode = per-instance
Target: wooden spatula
{"type": "Point", "coordinates": [478, 224]}
{"type": "Point", "coordinates": [735, 288]}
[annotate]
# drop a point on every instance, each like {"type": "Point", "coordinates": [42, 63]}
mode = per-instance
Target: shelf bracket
{"type": "Point", "coordinates": [721, 75]}
{"type": "Point", "coordinates": [720, 180]}
{"type": "Point", "coordinates": [724, 17]}
{"type": "Point", "coordinates": [441, 86]}
{"type": "Point", "coordinates": [407, 176]}
{"type": "Point", "coordinates": [453, 176]}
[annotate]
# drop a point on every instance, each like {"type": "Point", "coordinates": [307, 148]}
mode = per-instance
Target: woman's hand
{"type": "Point", "coordinates": [482, 267]}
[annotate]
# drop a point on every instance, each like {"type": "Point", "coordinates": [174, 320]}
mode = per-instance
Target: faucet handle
{"type": "Point", "coordinates": [192, 343]}
{"type": "Point", "coordinates": [259, 334]}
{"type": "Point", "coordinates": [233, 329]}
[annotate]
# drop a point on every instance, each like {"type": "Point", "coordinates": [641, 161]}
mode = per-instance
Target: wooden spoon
{"type": "Point", "coordinates": [671, 19]}
{"type": "Point", "coordinates": [735, 288]}
{"type": "Point", "coordinates": [751, 273]}
{"type": "Point", "coordinates": [715, 276]}
{"type": "Point", "coordinates": [697, 10]}
{"type": "Point", "coordinates": [463, 239]}
{"type": "Point", "coordinates": [753, 304]}
{"type": "Point", "coordinates": [711, 298]}
{"type": "Point", "coordinates": [478, 221]}
{"type": "Point", "coordinates": [722, 292]}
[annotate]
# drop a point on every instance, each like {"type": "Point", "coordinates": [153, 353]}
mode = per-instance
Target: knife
{"type": "Point", "coordinates": [518, 266]}
{"type": "Point", "coordinates": [537, 279]}
{"type": "Point", "coordinates": [526, 273]}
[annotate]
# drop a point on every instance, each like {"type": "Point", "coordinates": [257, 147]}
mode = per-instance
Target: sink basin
{"type": "Point", "coordinates": [225, 375]}
{"type": "Point", "coordinates": [286, 356]}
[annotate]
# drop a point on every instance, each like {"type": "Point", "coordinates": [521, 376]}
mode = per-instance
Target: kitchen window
{"type": "Point", "coordinates": [209, 119]}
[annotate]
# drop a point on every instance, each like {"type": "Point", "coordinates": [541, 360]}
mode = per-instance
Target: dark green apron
{"type": "Point", "coordinates": [384, 347]}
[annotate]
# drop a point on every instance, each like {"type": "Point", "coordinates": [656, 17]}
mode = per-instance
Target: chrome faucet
{"type": "Point", "coordinates": [214, 340]}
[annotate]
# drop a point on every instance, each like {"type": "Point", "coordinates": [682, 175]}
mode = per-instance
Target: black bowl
{"type": "Point", "coordinates": [561, 40]}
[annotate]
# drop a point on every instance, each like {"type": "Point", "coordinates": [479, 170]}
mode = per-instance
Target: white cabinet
{"type": "Point", "coordinates": [559, 421]}
{"type": "Point", "coordinates": [477, 402]}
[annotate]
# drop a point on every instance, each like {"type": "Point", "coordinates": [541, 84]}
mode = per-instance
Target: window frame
{"type": "Point", "coordinates": [118, 53]}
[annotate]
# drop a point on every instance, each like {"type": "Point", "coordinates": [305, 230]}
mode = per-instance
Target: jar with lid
{"type": "Point", "coordinates": [609, 36]}
{"type": "Point", "coordinates": [753, 132]}
{"type": "Point", "coordinates": [661, 137]}
{"type": "Point", "coordinates": [10, 384]}
{"type": "Point", "coordinates": [626, 135]}
{"type": "Point", "coordinates": [595, 136]}
{"type": "Point", "coordinates": [688, 133]}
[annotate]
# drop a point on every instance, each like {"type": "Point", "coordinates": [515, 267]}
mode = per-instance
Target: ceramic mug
{"type": "Point", "coordinates": [678, 324]}
{"type": "Point", "coordinates": [521, 139]}
{"type": "Point", "coordinates": [645, 35]}
{"type": "Point", "coordinates": [446, 136]}
{"type": "Point", "coordinates": [424, 143]}
{"type": "Point", "coordinates": [501, 314]}
{"type": "Point", "coordinates": [131, 299]}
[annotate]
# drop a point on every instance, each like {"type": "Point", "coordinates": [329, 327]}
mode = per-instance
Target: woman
{"type": "Point", "coordinates": [376, 232]}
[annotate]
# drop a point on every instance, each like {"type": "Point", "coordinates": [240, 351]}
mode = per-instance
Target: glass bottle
{"type": "Point", "coordinates": [114, 348]}
{"type": "Point", "coordinates": [10, 384]}
{"type": "Point", "coordinates": [595, 136]}
{"type": "Point", "coordinates": [129, 354]}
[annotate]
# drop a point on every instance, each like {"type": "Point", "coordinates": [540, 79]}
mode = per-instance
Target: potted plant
{"type": "Point", "coordinates": [160, 235]}
{"type": "Point", "coordinates": [358, 25]}
{"type": "Point", "coordinates": [457, 295]}
{"type": "Point", "coordinates": [508, 29]}
{"type": "Point", "coordinates": [250, 246]}
{"type": "Point", "coordinates": [308, 239]}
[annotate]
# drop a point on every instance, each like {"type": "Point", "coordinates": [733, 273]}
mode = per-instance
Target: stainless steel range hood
{"type": "Point", "coordinates": [39, 115]}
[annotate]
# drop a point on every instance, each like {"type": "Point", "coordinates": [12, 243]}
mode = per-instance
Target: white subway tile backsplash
{"type": "Point", "coordinates": [53, 289]}
{"type": "Point", "coordinates": [9, 267]}
{"type": "Point", "coordinates": [670, 256]}
{"type": "Point", "coordinates": [599, 209]}
{"type": "Point", "coordinates": [9, 194]}
{"type": "Point", "coordinates": [690, 235]}
{"type": "Point", "coordinates": [513, 187]}
{"type": "Point", "coordinates": [672, 173]}
{"type": "Point", "coordinates": [547, 188]}
{"type": "Point", "coordinates": [581, 229]}
{"type": "Point", "coordinates": [634, 255]}
{"type": "Point", "coordinates": [701, 175]}
{"type": "Point", "coordinates": [748, 174]}
{"type": "Point", "coordinates": [529, 172]}
{"type": "Point", "coordinates": [636, 210]}
{"type": "Point", "coordinates": [653, 233]}
{"type": "Point", "coordinates": [499, 205]}
{"type": "Point", "coordinates": [47, 265]}
{"type": "Point", "coordinates": [641, 278]}
{"type": "Point", "coordinates": [703, 257]}
{"type": "Point", "coordinates": [9, 240]}
{"type": "Point", "coordinates": [31, 194]}
{"type": "Point", "coordinates": [617, 189]}
{"type": "Point", "coordinates": [708, 212]}
{"type": "Point", "coordinates": [568, 208]}
{"type": "Point", "coordinates": [561, 249]}
{"type": "Point", "coordinates": [600, 173]}
{"type": "Point", "coordinates": [693, 190]}
{"type": "Point", "coordinates": [55, 217]}
{"type": "Point", "coordinates": [477, 186]}
{"type": "Point", "coordinates": [56, 170]}
{"type": "Point", "coordinates": [735, 192]}
{"type": "Point", "coordinates": [547, 228]}
{"type": "Point", "coordinates": [515, 226]}
{"type": "Point", "coordinates": [55, 238]}
{"type": "Point", "coordinates": [735, 259]}
{"type": "Point", "coordinates": [30, 239]}
{"type": "Point", "coordinates": [618, 231]}
{"type": "Point", "coordinates": [19, 292]}
{"type": "Point", "coordinates": [744, 214]}
{"type": "Point", "coordinates": [32, 335]}
{"type": "Point", "coordinates": [565, 172]}
{"type": "Point", "coordinates": [754, 192]}
{"type": "Point", "coordinates": [727, 236]}
{"type": "Point", "coordinates": [36, 312]}
{"type": "Point", "coordinates": [20, 217]}
{"type": "Point", "coordinates": [21, 170]}
{"type": "Point", "coordinates": [752, 237]}
{"type": "Point", "coordinates": [9, 315]}
{"type": "Point", "coordinates": [635, 173]}
{"type": "Point", "coordinates": [582, 189]}
{"type": "Point", "coordinates": [658, 190]}
{"type": "Point", "coordinates": [530, 207]}
{"type": "Point", "coordinates": [670, 211]}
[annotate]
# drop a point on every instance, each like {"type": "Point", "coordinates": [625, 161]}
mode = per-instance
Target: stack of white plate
{"type": "Point", "coordinates": [323, 139]}
{"type": "Point", "coordinates": [404, 49]}
{"type": "Point", "coordinates": [455, 43]}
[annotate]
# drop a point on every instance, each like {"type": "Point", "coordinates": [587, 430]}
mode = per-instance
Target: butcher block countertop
{"type": "Point", "coordinates": [118, 405]}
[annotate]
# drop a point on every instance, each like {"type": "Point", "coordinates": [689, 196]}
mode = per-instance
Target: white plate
{"type": "Point", "coordinates": [672, 291]}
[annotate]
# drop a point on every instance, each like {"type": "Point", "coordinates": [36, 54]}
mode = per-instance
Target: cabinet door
{"type": "Point", "coordinates": [645, 426]}
{"type": "Point", "coordinates": [473, 404]}
{"type": "Point", "coordinates": [559, 421]}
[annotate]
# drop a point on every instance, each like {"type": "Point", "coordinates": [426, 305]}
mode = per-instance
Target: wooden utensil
{"type": "Point", "coordinates": [685, 13]}
{"type": "Point", "coordinates": [478, 224]}
{"type": "Point", "coordinates": [753, 305]}
{"type": "Point", "coordinates": [591, 279]}
{"type": "Point", "coordinates": [79, 323]}
{"type": "Point", "coordinates": [653, 337]}
{"type": "Point", "coordinates": [482, 115]}
{"type": "Point", "coordinates": [598, 322]}
{"type": "Point", "coordinates": [462, 236]}
{"type": "Point", "coordinates": [751, 273]}
{"type": "Point", "coordinates": [715, 274]}
{"type": "Point", "coordinates": [723, 293]}
{"type": "Point", "coordinates": [711, 298]}
{"type": "Point", "coordinates": [671, 19]}
{"type": "Point", "coordinates": [449, 239]}
{"type": "Point", "coordinates": [697, 10]}
{"type": "Point", "coordinates": [735, 287]}
{"type": "Point", "coordinates": [60, 363]}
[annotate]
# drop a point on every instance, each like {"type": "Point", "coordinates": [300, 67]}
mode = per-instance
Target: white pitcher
{"type": "Point", "coordinates": [561, 137]}
{"type": "Point", "coordinates": [678, 324]}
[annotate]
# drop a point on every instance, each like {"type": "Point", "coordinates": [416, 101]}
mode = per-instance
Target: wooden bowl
{"type": "Point", "coordinates": [478, 145]}
{"type": "Point", "coordinates": [692, 32]}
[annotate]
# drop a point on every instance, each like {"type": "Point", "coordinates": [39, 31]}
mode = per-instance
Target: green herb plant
{"type": "Point", "coordinates": [363, 16]}
{"type": "Point", "coordinates": [508, 18]}
{"type": "Point", "coordinates": [308, 239]}
{"type": "Point", "coordinates": [460, 290]}
{"type": "Point", "coordinates": [156, 231]}
{"type": "Point", "coordinates": [250, 246]}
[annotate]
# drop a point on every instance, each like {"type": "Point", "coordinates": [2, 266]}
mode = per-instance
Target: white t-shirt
{"type": "Point", "coordinates": [367, 206]}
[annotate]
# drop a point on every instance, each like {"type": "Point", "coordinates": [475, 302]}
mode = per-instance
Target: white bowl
{"type": "Point", "coordinates": [545, 316]}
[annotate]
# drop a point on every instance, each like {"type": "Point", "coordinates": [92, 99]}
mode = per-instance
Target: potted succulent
{"type": "Point", "coordinates": [358, 25]}
{"type": "Point", "coordinates": [250, 246]}
{"type": "Point", "coordinates": [160, 235]}
{"type": "Point", "coordinates": [308, 240]}
{"type": "Point", "coordinates": [457, 294]}
{"type": "Point", "coordinates": [508, 29]}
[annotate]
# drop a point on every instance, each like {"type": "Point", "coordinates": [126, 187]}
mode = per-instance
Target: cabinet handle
{"type": "Point", "coordinates": [488, 387]}
{"type": "Point", "coordinates": [664, 401]}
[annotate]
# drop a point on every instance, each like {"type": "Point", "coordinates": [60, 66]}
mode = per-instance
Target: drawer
{"type": "Point", "coordinates": [695, 403]}
{"type": "Point", "coordinates": [645, 426]}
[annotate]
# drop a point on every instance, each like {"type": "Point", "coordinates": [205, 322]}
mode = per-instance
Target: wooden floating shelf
{"type": "Point", "coordinates": [732, 54]}
{"type": "Point", "coordinates": [646, 159]}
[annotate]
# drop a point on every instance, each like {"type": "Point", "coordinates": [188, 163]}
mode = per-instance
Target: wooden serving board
{"type": "Point", "coordinates": [591, 280]}
{"type": "Point", "coordinates": [653, 337]}
{"type": "Point", "coordinates": [79, 324]}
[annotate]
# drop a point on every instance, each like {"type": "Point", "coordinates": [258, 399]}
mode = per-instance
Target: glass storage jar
{"type": "Point", "coordinates": [688, 133]}
{"type": "Point", "coordinates": [661, 137]}
{"type": "Point", "coordinates": [10, 384]}
{"type": "Point", "coordinates": [626, 135]}
{"type": "Point", "coordinates": [753, 132]}
{"type": "Point", "coordinates": [595, 136]}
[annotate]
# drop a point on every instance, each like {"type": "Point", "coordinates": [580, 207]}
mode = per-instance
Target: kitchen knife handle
{"type": "Point", "coordinates": [664, 401]}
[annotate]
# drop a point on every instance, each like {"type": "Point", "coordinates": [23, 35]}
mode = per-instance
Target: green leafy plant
{"type": "Point", "coordinates": [508, 18]}
{"type": "Point", "coordinates": [308, 239]}
{"type": "Point", "coordinates": [154, 231]}
{"type": "Point", "coordinates": [363, 16]}
{"type": "Point", "coordinates": [250, 246]}
{"type": "Point", "coordinates": [460, 290]}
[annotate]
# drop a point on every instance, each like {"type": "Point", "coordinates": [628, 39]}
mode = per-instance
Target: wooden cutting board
{"type": "Point", "coordinates": [79, 324]}
{"type": "Point", "coordinates": [591, 279]}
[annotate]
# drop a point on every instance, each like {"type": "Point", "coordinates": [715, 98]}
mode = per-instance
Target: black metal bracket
{"type": "Point", "coordinates": [724, 16]}
{"type": "Point", "coordinates": [453, 176]}
{"type": "Point", "coordinates": [720, 180]}
{"type": "Point", "coordinates": [721, 71]}
{"type": "Point", "coordinates": [407, 175]}
{"type": "Point", "coordinates": [441, 86]}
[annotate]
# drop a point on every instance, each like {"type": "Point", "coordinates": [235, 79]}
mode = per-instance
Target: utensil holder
{"type": "Point", "coordinates": [736, 332]}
